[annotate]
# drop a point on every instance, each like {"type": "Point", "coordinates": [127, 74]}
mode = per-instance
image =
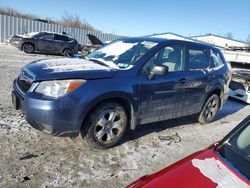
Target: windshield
{"type": "Point", "coordinates": [236, 150]}
{"type": "Point", "coordinates": [32, 34]}
{"type": "Point", "coordinates": [122, 53]}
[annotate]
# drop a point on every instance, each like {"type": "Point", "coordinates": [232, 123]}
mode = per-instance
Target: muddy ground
{"type": "Point", "coordinates": [33, 159]}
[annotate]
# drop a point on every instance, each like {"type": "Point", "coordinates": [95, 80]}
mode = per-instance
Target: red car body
{"type": "Point", "coordinates": [203, 169]}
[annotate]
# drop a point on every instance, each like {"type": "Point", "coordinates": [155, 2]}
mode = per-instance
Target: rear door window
{"type": "Point", "coordinates": [198, 58]}
{"type": "Point", "coordinates": [61, 37]}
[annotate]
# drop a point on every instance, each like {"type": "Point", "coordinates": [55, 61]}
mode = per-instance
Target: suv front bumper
{"type": "Point", "coordinates": [58, 117]}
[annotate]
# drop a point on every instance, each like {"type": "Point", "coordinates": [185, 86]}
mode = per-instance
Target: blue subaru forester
{"type": "Point", "coordinates": [128, 82]}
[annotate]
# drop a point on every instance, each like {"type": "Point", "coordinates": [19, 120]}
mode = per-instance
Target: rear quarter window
{"type": "Point", "coordinates": [215, 59]}
{"type": "Point", "coordinates": [61, 38]}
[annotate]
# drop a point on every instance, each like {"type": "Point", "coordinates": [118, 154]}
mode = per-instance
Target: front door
{"type": "Point", "coordinates": [163, 97]}
{"type": "Point", "coordinates": [60, 42]}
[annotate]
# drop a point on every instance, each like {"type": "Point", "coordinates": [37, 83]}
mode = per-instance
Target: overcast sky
{"type": "Point", "coordinates": [142, 17]}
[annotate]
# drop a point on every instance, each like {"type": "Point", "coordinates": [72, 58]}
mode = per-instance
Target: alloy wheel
{"type": "Point", "coordinates": [211, 109]}
{"type": "Point", "coordinates": [28, 48]}
{"type": "Point", "coordinates": [109, 126]}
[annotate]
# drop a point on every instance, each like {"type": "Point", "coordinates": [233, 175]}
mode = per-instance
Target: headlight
{"type": "Point", "coordinates": [58, 88]}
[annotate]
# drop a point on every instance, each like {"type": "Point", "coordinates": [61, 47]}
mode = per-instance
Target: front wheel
{"type": "Point", "coordinates": [209, 110]}
{"type": "Point", "coordinates": [107, 125]}
{"type": "Point", "coordinates": [28, 48]}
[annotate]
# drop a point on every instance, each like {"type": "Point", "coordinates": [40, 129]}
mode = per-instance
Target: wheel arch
{"type": "Point", "coordinates": [120, 99]}
{"type": "Point", "coordinates": [219, 92]}
{"type": "Point", "coordinates": [67, 48]}
{"type": "Point", "coordinates": [28, 42]}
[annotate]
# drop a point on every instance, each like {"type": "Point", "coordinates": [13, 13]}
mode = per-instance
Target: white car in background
{"type": "Point", "coordinates": [240, 84]}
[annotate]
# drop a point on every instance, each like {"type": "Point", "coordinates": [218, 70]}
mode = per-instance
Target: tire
{"type": "Point", "coordinates": [28, 48]}
{"type": "Point", "coordinates": [209, 110]}
{"type": "Point", "coordinates": [68, 53]}
{"type": "Point", "coordinates": [107, 125]}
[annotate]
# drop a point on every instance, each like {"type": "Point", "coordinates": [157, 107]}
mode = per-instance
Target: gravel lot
{"type": "Point", "coordinates": [33, 159]}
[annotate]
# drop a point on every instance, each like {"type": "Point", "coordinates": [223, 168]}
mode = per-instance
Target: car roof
{"type": "Point", "coordinates": [50, 32]}
{"type": "Point", "coordinates": [164, 40]}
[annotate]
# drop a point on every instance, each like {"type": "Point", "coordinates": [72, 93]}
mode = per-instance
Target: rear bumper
{"type": "Point", "coordinates": [58, 117]}
{"type": "Point", "coordinates": [225, 97]}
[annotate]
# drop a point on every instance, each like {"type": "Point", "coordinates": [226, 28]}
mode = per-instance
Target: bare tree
{"type": "Point", "coordinates": [74, 21]}
{"type": "Point", "coordinates": [13, 12]}
{"type": "Point", "coordinates": [67, 18]}
{"type": "Point", "coordinates": [229, 35]}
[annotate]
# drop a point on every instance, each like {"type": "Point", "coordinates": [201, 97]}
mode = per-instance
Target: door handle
{"type": "Point", "coordinates": [183, 80]}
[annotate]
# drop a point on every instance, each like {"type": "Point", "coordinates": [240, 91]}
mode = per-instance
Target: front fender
{"type": "Point", "coordinates": [114, 96]}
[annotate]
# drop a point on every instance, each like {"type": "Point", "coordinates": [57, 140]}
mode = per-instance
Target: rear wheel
{"type": "Point", "coordinates": [28, 48]}
{"type": "Point", "coordinates": [68, 53]}
{"type": "Point", "coordinates": [209, 110]}
{"type": "Point", "coordinates": [107, 125]}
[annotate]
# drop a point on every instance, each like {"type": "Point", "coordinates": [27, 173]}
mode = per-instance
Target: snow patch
{"type": "Point", "coordinates": [116, 49]}
{"type": "Point", "coordinates": [28, 35]}
{"type": "Point", "coordinates": [70, 65]}
{"type": "Point", "coordinates": [218, 173]}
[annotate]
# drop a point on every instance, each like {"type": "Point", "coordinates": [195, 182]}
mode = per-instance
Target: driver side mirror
{"type": "Point", "coordinates": [158, 70]}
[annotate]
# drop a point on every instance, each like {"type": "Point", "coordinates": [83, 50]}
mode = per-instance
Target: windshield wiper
{"type": "Point", "coordinates": [103, 62]}
{"type": "Point", "coordinates": [97, 61]}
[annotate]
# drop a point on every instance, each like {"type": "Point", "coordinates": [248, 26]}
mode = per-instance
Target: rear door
{"type": "Point", "coordinates": [219, 72]}
{"type": "Point", "coordinates": [46, 43]}
{"type": "Point", "coordinates": [198, 77]}
{"type": "Point", "coordinates": [61, 42]}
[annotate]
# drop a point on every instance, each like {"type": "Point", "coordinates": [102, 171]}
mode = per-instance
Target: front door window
{"type": "Point", "coordinates": [171, 56]}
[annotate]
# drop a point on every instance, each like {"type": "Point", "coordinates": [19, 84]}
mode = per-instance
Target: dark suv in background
{"type": "Point", "coordinates": [125, 83]}
{"type": "Point", "coordinates": [45, 42]}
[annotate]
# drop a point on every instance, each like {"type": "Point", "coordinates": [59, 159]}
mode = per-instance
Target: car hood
{"type": "Point", "coordinates": [17, 37]}
{"type": "Point", "coordinates": [68, 68]}
{"type": "Point", "coordinates": [201, 169]}
{"type": "Point", "coordinates": [23, 36]}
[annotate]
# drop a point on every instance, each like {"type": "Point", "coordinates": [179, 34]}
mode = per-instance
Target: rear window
{"type": "Point", "coordinates": [198, 58]}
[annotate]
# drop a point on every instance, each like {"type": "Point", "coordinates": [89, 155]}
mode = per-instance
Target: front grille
{"type": "Point", "coordinates": [24, 81]}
